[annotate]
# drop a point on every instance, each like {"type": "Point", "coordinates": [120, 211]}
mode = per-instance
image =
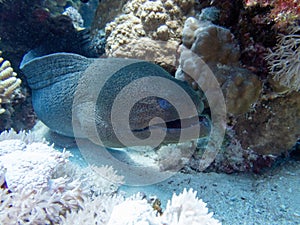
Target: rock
{"type": "Point", "coordinates": [274, 126]}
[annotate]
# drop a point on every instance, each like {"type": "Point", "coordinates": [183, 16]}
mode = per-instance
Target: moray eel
{"type": "Point", "coordinates": [74, 96]}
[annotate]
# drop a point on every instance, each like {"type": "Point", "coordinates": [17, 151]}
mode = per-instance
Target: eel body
{"type": "Point", "coordinates": [108, 100]}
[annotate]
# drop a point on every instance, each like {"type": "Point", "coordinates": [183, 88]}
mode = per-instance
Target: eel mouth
{"type": "Point", "coordinates": [175, 126]}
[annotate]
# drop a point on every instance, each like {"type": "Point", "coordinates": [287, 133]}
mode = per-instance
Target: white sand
{"type": "Point", "coordinates": [271, 198]}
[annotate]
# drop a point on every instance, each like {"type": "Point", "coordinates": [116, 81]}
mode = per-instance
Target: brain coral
{"type": "Point", "coordinates": [160, 20]}
{"type": "Point", "coordinates": [9, 84]}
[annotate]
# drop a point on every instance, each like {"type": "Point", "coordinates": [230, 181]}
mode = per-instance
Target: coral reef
{"type": "Point", "coordinates": [240, 87]}
{"type": "Point", "coordinates": [34, 26]}
{"type": "Point", "coordinates": [19, 158]}
{"type": "Point", "coordinates": [261, 126]}
{"type": "Point", "coordinates": [57, 7]}
{"type": "Point", "coordinates": [155, 20]}
{"type": "Point", "coordinates": [33, 193]}
{"type": "Point", "coordinates": [283, 12]}
{"type": "Point", "coordinates": [40, 186]}
{"type": "Point", "coordinates": [186, 208]}
{"type": "Point", "coordinates": [217, 48]}
{"type": "Point", "coordinates": [274, 126]}
{"type": "Point", "coordinates": [251, 26]}
{"type": "Point", "coordinates": [9, 84]}
{"type": "Point", "coordinates": [214, 44]}
{"type": "Point", "coordinates": [160, 52]}
{"type": "Point", "coordinates": [94, 211]}
{"type": "Point", "coordinates": [232, 157]}
{"type": "Point", "coordinates": [284, 61]}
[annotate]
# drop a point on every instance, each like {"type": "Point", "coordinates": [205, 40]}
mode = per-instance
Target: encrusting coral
{"type": "Point", "coordinates": [284, 61]}
{"type": "Point", "coordinates": [9, 83]}
{"type": "Point", "coordinates": [40, 186]}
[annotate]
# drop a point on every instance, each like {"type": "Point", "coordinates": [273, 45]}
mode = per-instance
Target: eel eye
{"type": "Point", "coordinates": [164, 104]}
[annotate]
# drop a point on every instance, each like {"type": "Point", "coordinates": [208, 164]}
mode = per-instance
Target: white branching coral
{"type": "Point", "coordinates": [35, 196]}
{"type": "Point", "coordinates": [94, 212]}
{"type": "Point", "coordinates": [284, 61]}
{"type": "Point", "coordinates": [40, 206]}
{"type": "Point", "coordinates": [58, 192]}
{"type": "Point", "coordinates": [183, 209]}
{"type": "Point", "coordinates": [9, 83]}
{"type": "Point", "coordinates": [96, 180]}
{"type": "Point", "coordinates": [41, 186]}
{"type": "Point", "coordinates": [186, 208]}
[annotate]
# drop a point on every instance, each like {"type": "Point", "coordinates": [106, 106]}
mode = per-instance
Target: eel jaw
{"type": "Point", "coordinates": [174, 128]}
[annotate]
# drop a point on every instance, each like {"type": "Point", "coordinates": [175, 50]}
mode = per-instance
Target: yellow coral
{"type": "Point", "coordinates": [9, 83]}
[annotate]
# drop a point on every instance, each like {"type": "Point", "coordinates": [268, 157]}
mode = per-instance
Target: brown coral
{"type": "Point", "coordinates": [217, 47]}
{"type": "Point", "coordinates": [240, 87]}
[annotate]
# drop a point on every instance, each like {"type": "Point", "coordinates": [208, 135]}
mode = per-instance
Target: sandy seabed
{"type": "Point", "coordinates": [270, 198]}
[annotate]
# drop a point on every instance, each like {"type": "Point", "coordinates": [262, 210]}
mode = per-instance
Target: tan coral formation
{"type": "Point", "coordinates": [160, 20]}
{"type": "Point", "coordinates": [217, 47]}
{"type": "Point", "coordinates": [263, 123]}
{"type": "Point", "coordinates": [240, 87]}
{"type": "Point", "coordinates": [9, 83]}
{"type": "Point", "coordinates": [215, 44]}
